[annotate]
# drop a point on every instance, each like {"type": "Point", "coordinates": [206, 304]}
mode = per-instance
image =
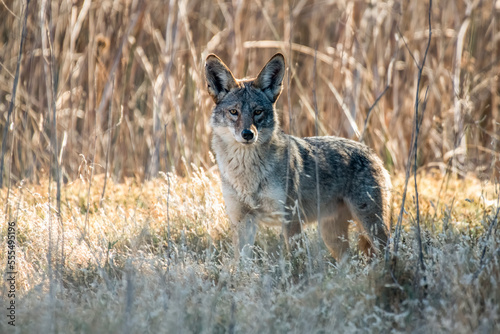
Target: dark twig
{"type": "Point", "coordinates": [362, 137]}
{"type": "Point", "coordinates": [414, 153]}
{"type": "Point", "coordinates": [397, 232]}
{"type": "Point", "coordinates": [417, 130]}
{"type": "Point", "coordinates": [368, 114]}
{"type": "Point", "coordinates": [408, 48]}
{"type": "Point", "coordinates": [14, 91]}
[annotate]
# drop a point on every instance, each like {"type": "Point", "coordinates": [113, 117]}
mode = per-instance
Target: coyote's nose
{"type": "Point", "coordinates": [247, 134]}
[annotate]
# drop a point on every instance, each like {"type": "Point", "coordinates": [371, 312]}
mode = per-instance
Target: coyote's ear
{"type": "Point", "coordinates": [220, 80]}
{"type": "Point", "coordinates": [271, 76]}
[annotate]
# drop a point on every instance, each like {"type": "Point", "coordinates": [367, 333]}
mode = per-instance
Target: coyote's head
{"type": "Point", "coordinates": [244, 109]}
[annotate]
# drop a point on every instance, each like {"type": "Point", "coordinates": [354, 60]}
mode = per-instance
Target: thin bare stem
{"type": "Point", "coordinates": [315, 104]}
{"type": "Point", "coordinates": [413, 152]}
{"type": "Point", "coordinates": [417, 130]}
{"type": "Point", "coordinates": [407, 47]}
{"type": "Point", "coordinates": [362, 137]}
{"type": "Point", "coordinates": [48, 85]}
{"type": "Point", "coordinates": [14, 91]}
{"type": "Point", "coordinates": [110, 130]}
{"type": "Point", "coordinates": [288, 200]}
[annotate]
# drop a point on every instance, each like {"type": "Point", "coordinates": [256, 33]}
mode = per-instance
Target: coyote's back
{"type": "Point", "coordinates": [273, 178]}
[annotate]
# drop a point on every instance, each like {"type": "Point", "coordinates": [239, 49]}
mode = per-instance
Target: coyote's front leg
{"type": "Point", "coordinates": [243, 223]}
{"type": "Point", "coordinates": [244, 232]}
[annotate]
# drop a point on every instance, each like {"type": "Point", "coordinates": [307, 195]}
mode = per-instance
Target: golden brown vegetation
{"type": "Point", "coordinates": [126, 78]}
{"type": "Point", "coordinates": [157, 257]}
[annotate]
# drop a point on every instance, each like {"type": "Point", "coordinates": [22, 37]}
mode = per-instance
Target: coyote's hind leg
{"type": "Point", "coordinates": [334, 231]}
{"type": "Point", "coordinates": [371, 217]}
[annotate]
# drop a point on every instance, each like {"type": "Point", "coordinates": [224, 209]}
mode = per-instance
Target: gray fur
{"type": "Point", "coordinates": [353, 184]}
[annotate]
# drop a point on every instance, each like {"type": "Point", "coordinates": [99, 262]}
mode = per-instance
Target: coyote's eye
{"type": "Point", "coordinates": [233, 112]}
{"type": "Point", "coordinates": [258, 112]}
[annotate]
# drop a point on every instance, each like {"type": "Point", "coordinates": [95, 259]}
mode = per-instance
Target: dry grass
{"type": "Point", "coordinates": [124, 274]}
{"type": "Point", "coordinates": [146, 58]}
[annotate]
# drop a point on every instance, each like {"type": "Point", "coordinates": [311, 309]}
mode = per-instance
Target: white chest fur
{"type": "Point", "coordinates": [247, 170]}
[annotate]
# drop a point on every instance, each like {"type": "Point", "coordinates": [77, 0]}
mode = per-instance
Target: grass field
{"type": "Point", "coordinates": [156, 257]}
{"type": "Point", "coordinates": [120, 84]}
{"type": "Point", "coordinates": [109, 184]}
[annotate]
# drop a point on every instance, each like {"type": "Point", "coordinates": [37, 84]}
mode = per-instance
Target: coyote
{"type": "Point", "coordinates": [277, 179]}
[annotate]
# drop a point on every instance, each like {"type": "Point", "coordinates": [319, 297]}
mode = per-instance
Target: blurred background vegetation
{"type": "Point", "coordinates": [125, 80]}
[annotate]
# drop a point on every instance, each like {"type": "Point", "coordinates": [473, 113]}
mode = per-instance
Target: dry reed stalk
{"type": "Point", "coordinates": [14, 91]}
